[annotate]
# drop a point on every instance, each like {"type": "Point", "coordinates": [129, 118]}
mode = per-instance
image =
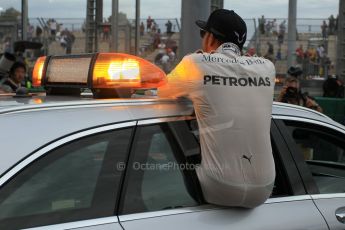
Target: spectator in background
{"type": "Point", "coordinates": [280, 39]}
{"type": "Point", "coordinates": [156, 39]}
{"type": "Point", "coordinates": [142, 29]}
{"type": "Point", "coordinates": [172, 44]}
{"type": "Point", "coordinates": [39, 32]}
{"type": "Point", "coordinates": [31, 31]}
{"type": "Point", "coordinates": [320, 52]}
{"type": "Point", "coordinates": [169, 27]}
{"type": "Point", "coordinates": [282, 27]}
{"type": "Point", "coordinates": [53, 27]}
{"type": "Point", "coordinates": [333, 87]}
{"type": "Point", "coordinates": [313, 65]}
{"type": "Point", "coordinates": [165, 63]}
{"type": "Point", "coordinates": [300, 54]}
{"type": "Point", "coordinates": [262, 22]}
{"type": "Point", "coordinates": [106, 32]}
{"type": "Point", "coordinates": [327, 64]}
{"type": "Point", "coordinates": [154, 27]}
{"type": "Point", "coordinates": [70, 40]}
{"type": "Point", "coordinates": [291, 92]}
{"type": "Point", "coordinates": [279, 54]}
{"type": "Point", "coordinates": [7, 45]}
{"type": "Point", "coordinates": [15, 79]}
{"type": "Point", "coordinates": [167, 60]}
{"type": "Point", "coordinates": [59, 27]}
{"type": "Point", "coordinates": [324, 30]}
{"type": "Point", "coordinates": [149, 22]}
{"type": "Point", "coordinates": [270, 52]}
{"type": "Point", "coordinates": [305, 64]}
{"type": "Point", "coordinates": [268, 28]}
{"type": "Point", "coordinates": [275, 27]}
{"type": "Point", "coordinates": [171, 54]}
{"type": "Point", "coordinates": [312, 54]}
{"type": "Point", "coordinates": [331, 24]}
{"type": "Point", "coordinates": [67, 40]}
{"type": "Point", "coordinates": [281, 34]}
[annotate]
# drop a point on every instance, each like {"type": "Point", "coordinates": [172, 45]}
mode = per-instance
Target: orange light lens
{"type": "Point", "coordinates": [38, 71]}
{"type": "Point", "coordinates": [124, 69]}
{"type": "Point", "coordinates": [114, 70]}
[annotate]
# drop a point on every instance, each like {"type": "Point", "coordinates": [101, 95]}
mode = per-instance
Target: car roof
{"type": "Point", "coordinates": [10, 104]}
{"type": "Point", "coordinates": [30, 123]}
{"type": "Point", "coordinates": [288, 110]}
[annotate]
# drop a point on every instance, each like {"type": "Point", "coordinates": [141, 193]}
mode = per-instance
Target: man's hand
{"type": "Point", "coordinates": [311, 104]}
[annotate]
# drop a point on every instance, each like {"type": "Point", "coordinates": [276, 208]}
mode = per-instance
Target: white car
{"type": "Point", "coordinates": [81, 163]}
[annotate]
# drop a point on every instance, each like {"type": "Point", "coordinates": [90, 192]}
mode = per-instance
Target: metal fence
{"type": "Point", "coordinates": [76, 27]}
{"type": "Point", "coordinates": [270, 42]}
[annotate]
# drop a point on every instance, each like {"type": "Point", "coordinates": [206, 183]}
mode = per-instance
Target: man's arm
{"type": "Point", "coordinates": [177, 81]}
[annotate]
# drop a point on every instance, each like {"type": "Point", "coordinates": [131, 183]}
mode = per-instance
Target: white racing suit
{"type": "Point", "coordinates": [232, 97]}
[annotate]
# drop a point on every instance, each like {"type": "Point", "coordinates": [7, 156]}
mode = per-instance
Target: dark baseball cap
{"type": "Point", "coordinates": [226, 26]}
{"type": "Point", "coordinates": [295, 71]}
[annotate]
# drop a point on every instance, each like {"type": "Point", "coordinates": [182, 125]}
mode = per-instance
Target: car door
{"type": "Point", "coordinates": [161, 190]}
{"type": "Point", "coordinates": [320, 150]}
{"type": "Point", "coordinates": [71, 183]}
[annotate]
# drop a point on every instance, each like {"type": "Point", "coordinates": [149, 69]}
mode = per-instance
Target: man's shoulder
{"type": "Point", "coordinates": [215, 57]}
{"type": "Point", "coordinates": [194, 56]}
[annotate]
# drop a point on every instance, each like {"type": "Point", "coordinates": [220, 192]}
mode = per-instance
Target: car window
{"type": "Point", "coordinates": [74, 182]}
{"type": "Point", "coordinates": [323, 150]}
{"type": "Point", "coordinates": [281, 185]}
{"type": "Point", "coordinates": [157, 177]}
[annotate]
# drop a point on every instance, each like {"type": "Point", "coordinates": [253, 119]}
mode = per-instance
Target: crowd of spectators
{"type": "Point", "coordinates": [331, 28]}
{"type": "Point", "coordinates": [50, 32]}
{"type": "Point", "coordinates": [271, 27]}
{"type": "Point", "coordinates": [314, 60]}
{"type": "Point", "coordinates": [161, 42]}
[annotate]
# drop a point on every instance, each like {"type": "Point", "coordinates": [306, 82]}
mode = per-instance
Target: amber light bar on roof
{"type": "Point", "coordinates": [112, 70]}
{"type": "Point", "coordinates": [38, 71]}
{"type": "Point", "coordinates": [100, 71]}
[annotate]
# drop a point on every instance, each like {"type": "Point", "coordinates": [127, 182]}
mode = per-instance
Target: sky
{"type": "Point", "coordinates": [172, 8]}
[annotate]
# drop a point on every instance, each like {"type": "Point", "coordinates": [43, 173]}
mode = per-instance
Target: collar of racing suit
{"type": "Point", "coordinates": [228, 48]}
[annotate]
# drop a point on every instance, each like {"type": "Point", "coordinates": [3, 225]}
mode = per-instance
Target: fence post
{"type": "Point", "coordinates": [192, 10]}
{"type": "Point", "coordinates": [114, 25]}
{"type": "Point", "coordinates": [292, 33]}
{"type": "Point", "coordinates": [24, 19]}
{"type": "Point", "coordinates": [257, 37]}
{"type": "Point", "coordinates": [137, 27]}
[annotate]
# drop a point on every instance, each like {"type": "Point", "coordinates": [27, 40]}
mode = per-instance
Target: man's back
{"type": "Point", "coordinates": [232, 97]}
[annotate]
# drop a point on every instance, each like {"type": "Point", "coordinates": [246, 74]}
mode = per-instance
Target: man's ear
{"type": "Point", "coordinates": [208, 38]}
{"type": "Point", "coordinates": [214, 42]}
